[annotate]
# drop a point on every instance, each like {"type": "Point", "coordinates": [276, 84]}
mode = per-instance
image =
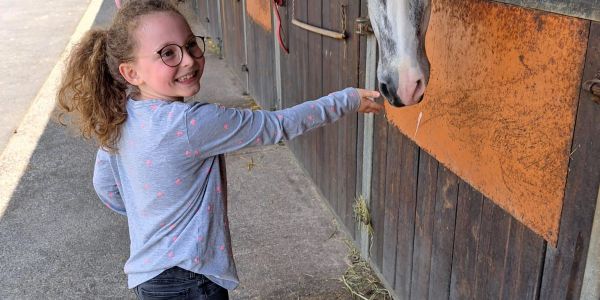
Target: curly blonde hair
{"type": "Point", "coordinates": [92, 86]}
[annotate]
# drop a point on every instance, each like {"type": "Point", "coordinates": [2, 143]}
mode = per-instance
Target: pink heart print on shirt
{"type": "Point", "coordinates": [160, 195]}
{"type": "Point", "coordinates": [153, 107]}
{"type": "Point", "coordinates": [188, 153]}
{"type": "Point", "coordinates": [179, 133]}
{"type": "Point", "coordinates": [148, 162]}
{"type": "Point", "coordinates": [193, 122]}
{"type": "Point", "coordinates": [171, 254]}
{"type": "Point", "coordinates": [280, 117]}
{"type": "Point", "coordinates": [178, 181]}
{"type": "Point", "coordinates": [226, 126]}
{"type": "Point", "coordinates": [196, 260]}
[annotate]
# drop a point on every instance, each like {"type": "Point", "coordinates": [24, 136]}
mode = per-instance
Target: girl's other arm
{"type": "Point", "coordinates": [215, 130]}
{"type": "Point", "coordinates": [105, 183]}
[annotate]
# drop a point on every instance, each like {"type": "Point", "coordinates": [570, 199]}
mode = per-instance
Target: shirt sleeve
{"type": "Point", "coordinates": [214, 130]}
{"type": "Point", "coordinates": [106, 185]}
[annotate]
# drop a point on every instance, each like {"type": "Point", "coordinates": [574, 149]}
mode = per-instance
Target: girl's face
{"type": "Point", "coordinates": [149, 73]}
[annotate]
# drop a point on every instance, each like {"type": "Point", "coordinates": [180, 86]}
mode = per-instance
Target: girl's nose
{"type": "Point", "coordinates": [187, 58]}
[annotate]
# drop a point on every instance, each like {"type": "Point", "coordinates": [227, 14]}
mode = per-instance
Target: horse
{"type": "Point", "coordinates": [403, 67]}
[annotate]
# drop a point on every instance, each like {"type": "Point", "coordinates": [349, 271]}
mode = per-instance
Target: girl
{"type": "Point", "coordinates": [160, 161]}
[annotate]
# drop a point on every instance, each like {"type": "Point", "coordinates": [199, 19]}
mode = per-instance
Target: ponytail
{"type": "Point", "coordinates": [94, 91]}
{"type": "Point", "coordinates": [92, 86]}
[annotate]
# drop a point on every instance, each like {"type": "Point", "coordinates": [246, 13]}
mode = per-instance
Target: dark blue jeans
{"type": "Point", "coordinates": [177, 283]}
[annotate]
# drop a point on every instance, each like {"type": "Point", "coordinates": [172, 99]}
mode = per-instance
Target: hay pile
{"type": "Point", "coordinates": [360, 280]}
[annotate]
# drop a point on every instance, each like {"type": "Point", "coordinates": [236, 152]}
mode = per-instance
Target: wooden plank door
{"type": "Point", "coordinates": [233, 37]}
{"type": "Point", "coordinates": [315, 66]}
{"type": "Point", "coordinates": [261, 53]}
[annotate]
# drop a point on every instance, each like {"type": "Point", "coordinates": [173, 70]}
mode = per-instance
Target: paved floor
{"type": "Point", "coordinates": [34, 34]}
{"type": "Point", "coordinates": [57, 241]}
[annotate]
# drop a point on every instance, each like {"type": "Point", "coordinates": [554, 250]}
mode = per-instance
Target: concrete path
{"type": "Point", "coordinates": [34, 34]}
{"type": "Point", "coordinates": [57, 241]}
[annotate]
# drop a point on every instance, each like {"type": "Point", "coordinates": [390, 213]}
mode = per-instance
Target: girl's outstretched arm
{"type": "Point", "coordinates": [215, 130]}
{"type": "Point", "coordinates": [105, 183]}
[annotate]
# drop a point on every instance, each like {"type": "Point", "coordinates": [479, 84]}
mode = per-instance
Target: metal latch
{"type": "Point", "coordinates": [593, 86]}
{"type": "Point", "coordinates": [362, 26]}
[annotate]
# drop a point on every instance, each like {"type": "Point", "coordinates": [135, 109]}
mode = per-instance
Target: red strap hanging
{"type": "Point", "coordinates": [276, 5]}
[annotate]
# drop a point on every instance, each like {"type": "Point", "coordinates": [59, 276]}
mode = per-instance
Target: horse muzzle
{"type": "Point", "coordinates": [407, 90]}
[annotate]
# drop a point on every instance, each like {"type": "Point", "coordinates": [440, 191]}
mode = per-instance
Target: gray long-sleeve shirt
{"type": "Point", "coordinates": [168, 177]}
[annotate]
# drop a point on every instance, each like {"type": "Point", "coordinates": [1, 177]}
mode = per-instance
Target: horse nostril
{"type": "Point", "coordinates": [420, 90]}
{"type": "Point", "coordinates": [384, 90]}
{"type": "Point", "coordinates": [389, 92]}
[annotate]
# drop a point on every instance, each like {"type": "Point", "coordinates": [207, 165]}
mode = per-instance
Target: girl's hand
{"type": "Point", "coordinates": [367, 101]}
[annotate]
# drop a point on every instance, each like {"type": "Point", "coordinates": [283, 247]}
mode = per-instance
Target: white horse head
{"type": "Point", "coordinates": [403, 68]}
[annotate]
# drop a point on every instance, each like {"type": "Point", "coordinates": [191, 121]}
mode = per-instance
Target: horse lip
{"type": "Point", "coordinates": [396, 102]}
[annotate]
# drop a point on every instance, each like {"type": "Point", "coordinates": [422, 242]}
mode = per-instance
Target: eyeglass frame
{"type": "Point", "coordinates": [181, 50]}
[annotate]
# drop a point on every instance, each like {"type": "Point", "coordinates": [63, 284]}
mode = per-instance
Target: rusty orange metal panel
{"type": "Point", "coordinates": [260, 12]}
{"type": "Point", "coordinates": [500, 106]}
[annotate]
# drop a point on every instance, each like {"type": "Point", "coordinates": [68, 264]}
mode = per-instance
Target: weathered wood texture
{"type": "Point", "coordinates": [435, 236]}
{"type": "Point", "coordinates": [208, 15]}
{"type": "Point", "coordinates": [233, 37]}
{"type": "Point", "coordinates": [261, 57]}
{"type": "Point", "coordinates": [316, 66]}
{"type": "Point", "coordinates": [564, 265]}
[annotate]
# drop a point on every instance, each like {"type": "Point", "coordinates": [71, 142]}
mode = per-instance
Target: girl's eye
{"type": "Point", "coordinates": [192, 45]}
{"type": "Point", "coordinates": [167, 53]}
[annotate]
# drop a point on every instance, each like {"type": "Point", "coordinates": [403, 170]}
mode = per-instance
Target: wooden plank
{"type": "Point", "coordinates": [233, 37]}
{"type": "Point", "coordinates": [443, 234]}
{"type": "Point", "coordinates": [392, 202]}
{"type": "Point", "coordinates": [315, 90]}
{"type": "Point", "coordinates": [350, 67]}
{"type": "Point", "coordinates": [295, 43]}
{"type": "Point", "coordinates": [378, 188]}
{"type": "Point", "coordinates": [212, 19]}
{"type": "Point", "coordinates": [424, 221]}
{"type": "Point", "coordinates": [524, 261]}
{"type": "Point", "coordinates": [493, 240]}
{"type": "Point", "coordinates": [564, 265]}
{"type": "Point", "coordinates": [261, 64]}
{"type": "Point", "coordinates": [331, 78]}
{"type": "Point", "coordinates": [466, 241]}
{"type": "Point", "coordinates": [409, 173]}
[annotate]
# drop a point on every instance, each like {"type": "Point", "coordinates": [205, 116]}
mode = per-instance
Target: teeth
{"type": "Point", "coordinates": [186, 77]}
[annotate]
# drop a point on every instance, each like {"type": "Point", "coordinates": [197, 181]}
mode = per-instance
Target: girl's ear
{"type": "Point", "coordinates": [129, 73]}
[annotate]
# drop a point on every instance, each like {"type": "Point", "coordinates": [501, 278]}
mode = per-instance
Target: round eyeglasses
{"type": "Point", "coordinates": [172, 54]}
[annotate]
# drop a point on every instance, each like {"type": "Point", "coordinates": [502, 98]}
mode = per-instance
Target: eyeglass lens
{"type": "Point", "coordinates": [172, 55]}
